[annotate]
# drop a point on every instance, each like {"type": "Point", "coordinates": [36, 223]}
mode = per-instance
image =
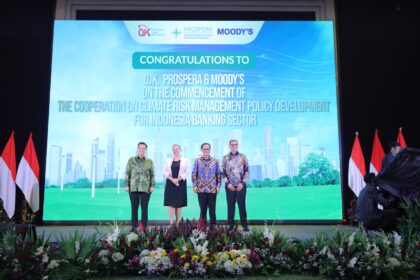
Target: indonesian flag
{"type": "Point", "coordinates": [357, 169]}
{"type": "Point", "coordinates": [377, 155]}
{"type": "Point", "coordinates": [400, 139]}
{"type": "Point", "coordinates": [27, 177]}
{"type": "Point", "coordinates": [8, 176]}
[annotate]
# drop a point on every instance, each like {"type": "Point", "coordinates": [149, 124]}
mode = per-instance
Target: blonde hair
{"type": "Point", "coordinates": [176, 145]}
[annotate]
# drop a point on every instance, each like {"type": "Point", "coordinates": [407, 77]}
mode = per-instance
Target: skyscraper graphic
{"type": "Point", "coordinates": [55, 164]}
{"type": "Point", "coordinates": [236, 134]}
{"type": "Point", "coordinates": [69, 168]}
{"type": "Point", "coordinates": [257, 159]}
{"type": "Point", "coordinates": [123, 157]}
{"type": "Point", "coordinates": [215, 148]}
{"type": "Point", "coordinates": [78, 171]}
{"type": "Point", "coordinates": [305, 150]}
{"type": "Point", "coordinates": [101, 166]}
{"type": "Point", "coordinates": [334, 163]}
{"type": "Point", "coordinates": [94, 159]}
{"type": "Point", "coordinates": [255, 172]}
{"type": "Point", "coordinates": [197, 150]}
{"type": "Point", "coordinates": [322, 151]}
{"type": "Point", "coordinates": [110, 157]}
{"type": "Point", "coordinates": [269, 171]}
{"type": "Point", "coordinates": [185, 148]}
{"type": "Point", "coordinates": [158, 157]}
{"type": "Point", "coordinates": [282, 169]}
{"type": "Point", "coordinates": [293, 155]}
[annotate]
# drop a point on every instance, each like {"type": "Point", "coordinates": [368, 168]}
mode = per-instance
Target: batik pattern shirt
{"type": "Point", "coordinates": [139, 174]}
{"type": "Point", "coordinates": [206, 174]}
{"type": "Point", "coordinates": [235, 168]}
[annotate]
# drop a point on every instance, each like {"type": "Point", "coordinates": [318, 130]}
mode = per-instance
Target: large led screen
{"type": "Point", "coordinates": [271, 85]}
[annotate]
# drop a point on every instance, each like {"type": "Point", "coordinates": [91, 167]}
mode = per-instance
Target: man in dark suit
{"type": "Point", "coordinates": [394, 148]}
{"type": "Point", "coordinates": [367, 211]}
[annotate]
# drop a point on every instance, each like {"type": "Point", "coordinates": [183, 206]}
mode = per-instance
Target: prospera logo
{"type": "Point", "coordinates": [143, 30]}
{"type": "Point", "coordinates": [235, 31]}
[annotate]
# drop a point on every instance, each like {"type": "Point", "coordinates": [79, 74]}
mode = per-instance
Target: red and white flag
{"type": "Point", "coordinates": [377, 155]}
{"type": "Point", "coordinates": [8, 176]}
{"type": "Point", "coordinates": [357, 169]}
{"type": "Point", "coordinates": [27, 177]}
{"type": "Point", "coordinates": [400, 139]}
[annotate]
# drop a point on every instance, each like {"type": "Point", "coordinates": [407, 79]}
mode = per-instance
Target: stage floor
{"type": "Point", "coordinates": [301, 232]}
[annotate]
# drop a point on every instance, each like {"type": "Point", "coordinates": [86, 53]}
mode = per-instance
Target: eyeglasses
{"type": "Point", "coordinates": [206, 149]}
{"type": "Point", "coordinates": [234, 144]}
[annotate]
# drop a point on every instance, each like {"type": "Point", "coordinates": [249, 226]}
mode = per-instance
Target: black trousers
{"type": "Point", "coordinates": [389, 219]}
{"type": "Point", "coordinates": [207, 200]}
{"type": "Point", "coordinates": [387, 222]}
{"type": "Point", "coordinates": [137, 198]}
{"type": "Point", "coordinates": [232, 198]}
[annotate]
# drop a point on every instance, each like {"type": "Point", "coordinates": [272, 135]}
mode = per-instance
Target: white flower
{"type": "Point", "coordinates": [131, 237]}
{"type": "Point", "coordinates": [340, 271]}
{"type": "Point", "coordinates": [268, 235]}
{"type": "Point", "coordinates": [144, 253]}
{"type": "Point", "coordinates": [397, 239]}
{"type": "Point", "coordinates": [116, 257]}
{"type": "Point", "coordinates": [77, 246]}
{"type": "Point", "coordinates": [39, 251]}
{"type": "Point", "coordinates": [324, 250]}
{"type": "Point", "coordinates": [113, 237]}
{"type": "Point", "coordinates": [202, 235]}
{"type": "Point", "coordinates": [341, 250]}
{"type": "Point", "coordinates": [233, 262]}
{"type": "Point", "coordinates": [351, 238]}
{"type": "Point", "coordinates": [372, 249]}
{"type": "Point", "coordinates": [330, 256]}
{"type": "Point", "coordinates": [394, 262]}
{"type": "Point", "coordinates": [228, 265]}
{"type": "Point", "coordinates": [103, 253]}
{"type": "Point", "coordinates": [104, 260]}
{"type": "Point", "coordinates": [44, 258]}
{"type": "Point", "coordinates": [352, 262]}
{"type": "Point", "coordinates": [155, 262]}
{"type": "Point", "coordinates": [53, 264]}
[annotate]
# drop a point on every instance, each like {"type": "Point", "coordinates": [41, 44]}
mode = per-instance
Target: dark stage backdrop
{"type": "Point", "coordinates": [378, 58]}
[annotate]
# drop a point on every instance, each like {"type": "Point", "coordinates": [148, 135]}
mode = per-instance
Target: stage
{"type": "Point", "coordinates": [300, 232]}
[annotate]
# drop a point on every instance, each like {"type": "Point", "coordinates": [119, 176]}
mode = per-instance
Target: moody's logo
{"type": "Point", "coordinates": [143, 30]}
{"type": "Point", "coordinates": [235, 31]}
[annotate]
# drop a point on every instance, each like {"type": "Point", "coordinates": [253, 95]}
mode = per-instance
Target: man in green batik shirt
{"type": "Point", "coordinates": [139, 182]}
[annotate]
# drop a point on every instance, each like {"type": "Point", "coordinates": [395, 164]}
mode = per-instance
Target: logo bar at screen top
{"type": "Point", "coordinates": [194, 32]}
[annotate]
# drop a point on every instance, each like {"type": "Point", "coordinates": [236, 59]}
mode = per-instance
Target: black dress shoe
{"type": "Point", "coordinates": [245, 228]}
{"type": "Point", "coordinates": [230, 227]}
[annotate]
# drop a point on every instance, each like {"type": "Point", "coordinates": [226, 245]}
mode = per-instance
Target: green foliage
{"type": "Point", "coordinates": [350, 254]}
{"type": "Point", "coordinates": [77, 247]}
{"type": "Point", "coordinates": [285, 181]}
{"type": "Point", "coordinates": [409, 226]}
{"type": "Point", "coordinates": [317, 170]}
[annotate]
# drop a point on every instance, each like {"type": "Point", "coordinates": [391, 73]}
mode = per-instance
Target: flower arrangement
{"type": "Point", "coordinates": [192, 250]}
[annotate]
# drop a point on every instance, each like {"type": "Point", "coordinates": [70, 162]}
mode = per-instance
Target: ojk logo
{"type": "Point", "coordinates": [143, 30]}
